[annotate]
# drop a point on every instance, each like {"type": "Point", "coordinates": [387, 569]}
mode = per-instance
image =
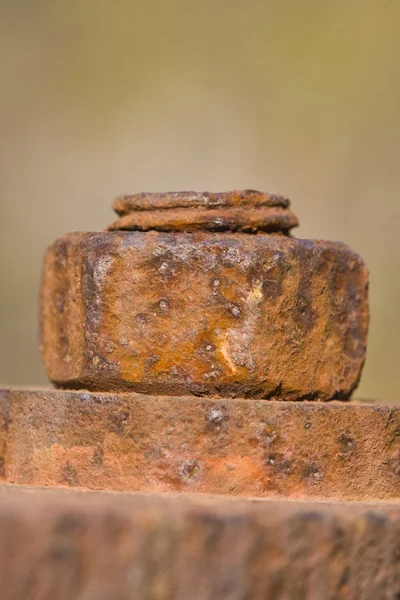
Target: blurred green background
{"type": "Point", "coordinates": [103, 97]}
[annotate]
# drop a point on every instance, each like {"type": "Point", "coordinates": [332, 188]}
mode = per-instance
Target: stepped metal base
{"type": "Point", "coordinates": [252, 448]}
{"type": "Point", "coordinates": [100, 546]}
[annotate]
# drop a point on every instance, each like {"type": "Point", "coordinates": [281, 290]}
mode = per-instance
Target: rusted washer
{"type": "Point", "coordinates": [222, 313]}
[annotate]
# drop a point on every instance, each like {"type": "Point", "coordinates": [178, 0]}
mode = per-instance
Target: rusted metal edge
{"type": "Point", "coordinates": [134, 442]}
{"type": "Point", "coordinates": [95, 545]}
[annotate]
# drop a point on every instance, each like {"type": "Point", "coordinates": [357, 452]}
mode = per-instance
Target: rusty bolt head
{"type": "Point", "coordinates": [220, 313]}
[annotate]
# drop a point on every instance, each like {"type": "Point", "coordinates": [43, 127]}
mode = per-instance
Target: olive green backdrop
{"type": "Point", "coordinates": [102, 97]}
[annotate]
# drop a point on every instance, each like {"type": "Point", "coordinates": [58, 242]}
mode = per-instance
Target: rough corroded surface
{"type": "Point", "coordinates": [232, 447]}
{"type": "Point", "coordinates": [247, 211]}
{"type": "Point", "coordinates": [205, 313]}
{"type": "Point", "coordinates": [126, 547]}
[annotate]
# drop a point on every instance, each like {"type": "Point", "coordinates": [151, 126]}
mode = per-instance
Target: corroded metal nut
{"type": "Point", "coordinates": [221, 313]}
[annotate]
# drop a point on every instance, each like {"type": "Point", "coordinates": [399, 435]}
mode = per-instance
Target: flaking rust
{"type": "Point", "coordinates": [204, 294]}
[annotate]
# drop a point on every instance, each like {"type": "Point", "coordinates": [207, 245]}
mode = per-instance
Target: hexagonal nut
{"type": "Point", "coordinates": [227, 314]}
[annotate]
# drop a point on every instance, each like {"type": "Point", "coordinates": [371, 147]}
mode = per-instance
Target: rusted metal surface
{"type": "Point", "coordinates": [125, 547]}
{"type": "Point", "coordinates": [226, 314]}
{"type": "Point", "coordinates": [206, 305]}
{"type": "Point", "coordinates": [346, 451]}
{"type": "Point", "coordinates": [248, 211]}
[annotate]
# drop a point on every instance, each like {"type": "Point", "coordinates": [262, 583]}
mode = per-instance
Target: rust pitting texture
{"type": "Point", "coordinates": [225, 314]}
{"type": "Point", "coordinates": [245, 211]}
{"type": "Point", "coordinates": [250, 448]}
{"type": "Point", "coordinates": [98, 546]}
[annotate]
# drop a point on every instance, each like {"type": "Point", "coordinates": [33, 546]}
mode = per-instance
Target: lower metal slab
{"type": "Point", "coordinates": [74, 545]}
{"type": "Point", "coordinates": [252, 448]}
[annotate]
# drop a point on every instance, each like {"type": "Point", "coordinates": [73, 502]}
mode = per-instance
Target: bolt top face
{"type": "Point", "coordinates": [247, 211]}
